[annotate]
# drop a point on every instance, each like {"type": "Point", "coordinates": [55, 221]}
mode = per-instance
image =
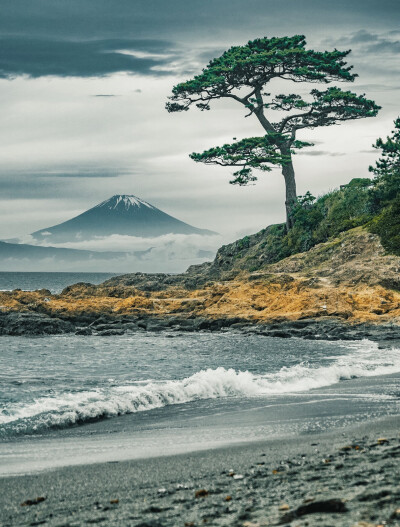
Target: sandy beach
{"type": "Point", "coordinates": [348, 477]}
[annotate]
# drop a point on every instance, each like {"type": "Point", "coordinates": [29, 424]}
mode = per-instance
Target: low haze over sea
{"type": "Point", "coordinates": [54, 282]}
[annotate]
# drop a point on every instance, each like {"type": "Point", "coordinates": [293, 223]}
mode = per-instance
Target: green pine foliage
{"type": "Point", "coordinates": [255, 64]}
{"type": "Point", "coordinates": [243, 73]}
{"type": "Point", "coordinates": [385, 193]}
{"type": "Point", "coordinates": [387, 170]}
{"type": "Point", "coordinates": [249, 153]}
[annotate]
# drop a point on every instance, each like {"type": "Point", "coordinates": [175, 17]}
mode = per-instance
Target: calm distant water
{"type": "Point", "coordinates": [72, 399]}
{"type": "Point", "coordinates": [55, 282]}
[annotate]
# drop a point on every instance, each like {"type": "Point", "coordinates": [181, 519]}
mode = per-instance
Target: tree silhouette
{"type": "Point", "coordinates": [241, 74]}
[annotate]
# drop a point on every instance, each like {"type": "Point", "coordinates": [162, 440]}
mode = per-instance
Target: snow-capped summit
{"type": "Point", "coordinates": [124, 201]}
{"type": "Point", "coordinates": [121, 214]}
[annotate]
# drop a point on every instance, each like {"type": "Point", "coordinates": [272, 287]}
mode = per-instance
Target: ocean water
{"type": "Point", "coordinates": [72, 399]}
{"type": "Point", "coordinates": [55, 282]}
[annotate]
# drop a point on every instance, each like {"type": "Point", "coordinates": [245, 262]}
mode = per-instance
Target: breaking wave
{"type": "Point", "coordinates": [72, 408]}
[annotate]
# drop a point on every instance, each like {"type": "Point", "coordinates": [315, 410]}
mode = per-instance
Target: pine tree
{"type": "Point", "coordinates": [242, 73]}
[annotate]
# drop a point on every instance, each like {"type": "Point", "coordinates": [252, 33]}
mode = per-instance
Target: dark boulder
{"type": "Point", "coordinates": [33, 324]}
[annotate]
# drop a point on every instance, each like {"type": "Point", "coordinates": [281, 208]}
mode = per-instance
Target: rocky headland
{"type": "Point", "coordinates": [347, 287]}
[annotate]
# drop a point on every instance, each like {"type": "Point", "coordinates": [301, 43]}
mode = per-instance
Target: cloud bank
{"type": "Point", "coordinates": [172, 253]}
{"type": "Point", "coordinates": [38, 57]}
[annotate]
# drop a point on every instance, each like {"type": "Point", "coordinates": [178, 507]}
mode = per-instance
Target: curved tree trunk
{"type": "Point", "coordinates": [290, 184]}
{"type": "Point", "coordinates": [287, 169]}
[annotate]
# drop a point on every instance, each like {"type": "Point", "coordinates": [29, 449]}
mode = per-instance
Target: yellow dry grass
{"type": "Point", "coordinates": [237, 298]}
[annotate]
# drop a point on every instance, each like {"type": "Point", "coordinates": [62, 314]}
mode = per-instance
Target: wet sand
{"type": "Point", "coordinates": [350, 477]}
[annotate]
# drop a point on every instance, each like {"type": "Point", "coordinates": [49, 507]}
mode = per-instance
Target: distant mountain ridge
{"type": "Point", "coordinates": [121, 214]}
{"type": "Point", "coordinates": [33, 252]}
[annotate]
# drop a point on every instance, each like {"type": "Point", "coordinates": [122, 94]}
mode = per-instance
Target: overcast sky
{"type": "Point", "coordinates": [83, 84]}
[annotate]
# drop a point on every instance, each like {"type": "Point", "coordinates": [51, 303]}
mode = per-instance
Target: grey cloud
{"type": "Point", "coordinates": [80, 171]}
{"type": "Point", "coordinates": [22, 184]}
{"type": "Point", "coordinates": [313, 141]}
{"type": "Point", "coordinates": [152, 18]}
{"type": "Point", "coordinates": [369, 42]}
{"type": "Point", "coordinates": [376, 87]}
{"type": "Point", "coordinates": [374, 57]}
{"type": "Point", "coordinates": [363, 36]}
{"type": "Point", "coordinates": [27, 187]}
{"type": "Point", "coordinates": [38, 57]}
{"type": "Point", "coordinates": [102, 15]}
{"type": "Point", "coordinates": [385, 45]}
{"type": "Point", "coordinates": [207, 55]}
{"type": "Point", "coordinates": [79, 174]}
{"type": "Point", "coordinates": [320, 153]}
{"type": "Point", "coordinates": [75, 38]}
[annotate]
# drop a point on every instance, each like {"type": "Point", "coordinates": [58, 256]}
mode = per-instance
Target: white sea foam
{"type": "Point", "coordinates": [67, 409]}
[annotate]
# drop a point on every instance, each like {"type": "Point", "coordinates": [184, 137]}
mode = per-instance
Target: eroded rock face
{"type": "Point", "coordinates": [355, 257]}
{"type": "Point", "coordinates": [196, 275]}
{"type": "Point", "coordinates": [32, 324]}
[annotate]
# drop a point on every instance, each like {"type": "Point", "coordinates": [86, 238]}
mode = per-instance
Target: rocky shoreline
{"type": "Point", "coordinates": [347, 288]}
{"type": "Point", "coordinates": [36, 324]}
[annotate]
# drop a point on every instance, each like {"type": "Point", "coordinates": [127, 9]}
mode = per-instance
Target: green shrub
{"type": "Point", "coordinates": [387, 226]}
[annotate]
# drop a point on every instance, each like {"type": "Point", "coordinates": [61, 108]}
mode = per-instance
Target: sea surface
{"type": "Point", "coordinates": [72, 399]}
{"type": "Point", "coordinates": [55, 282]}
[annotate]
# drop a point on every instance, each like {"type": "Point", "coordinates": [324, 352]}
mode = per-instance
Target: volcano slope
{"type": "Point", "coordinates": [122, 214]}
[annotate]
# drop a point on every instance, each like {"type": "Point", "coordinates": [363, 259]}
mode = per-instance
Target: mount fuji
{"type": "Point", "coordinates": [121, 214]}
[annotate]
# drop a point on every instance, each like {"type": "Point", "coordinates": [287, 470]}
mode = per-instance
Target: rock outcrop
{"type": "Point", "coordinates": [347, 285]}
